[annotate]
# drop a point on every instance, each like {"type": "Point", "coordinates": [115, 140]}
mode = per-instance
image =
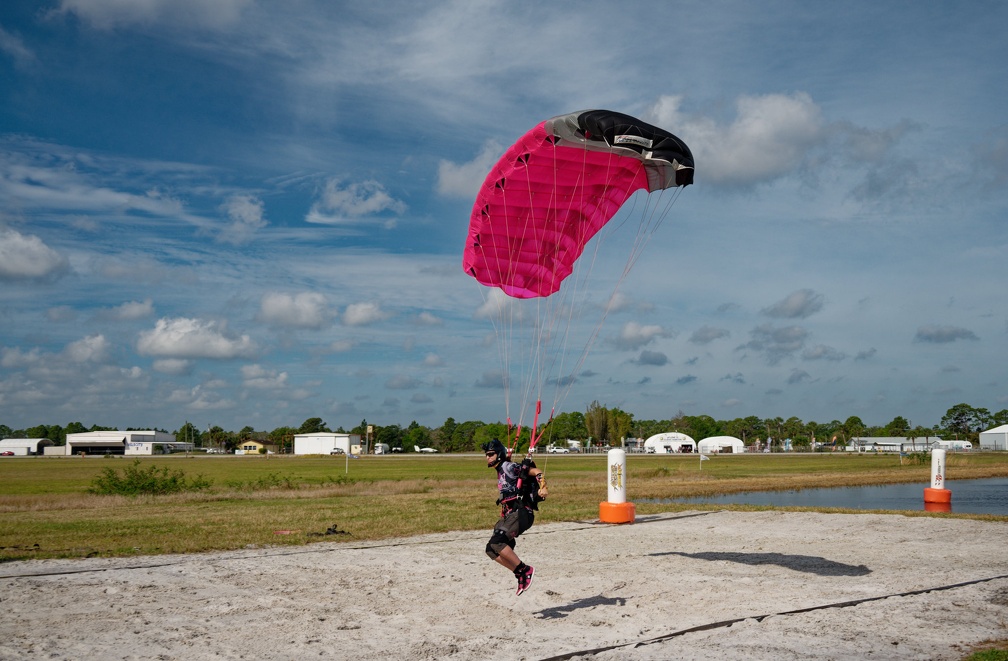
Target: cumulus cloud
{"type": "Point", "coordinates": [91, 349]}
{"type": "Point", "coordinates": [362, 314]}
{"type": "Point", "coordinates": [734, 378]}
{"type": "Point", "coordinates": [823, 352]}
{"type": "Point", "coordinates": [181, 337]}
{"type": "Point", "coordinates": [634, 335]}
{"type": "Point", "coordinates": [689, 378]}
{"type": "Point", "coordinates": [463, 180]}
{"type": "Point", "coordinates": [777, 343]}
{"type": "Point", "coordinates": [796, 305]}
{"type": "Point", "coordinates": [256, 376]}
{"type": "Point", "coordinates": [246, 216]}
{"type": "Point", "coordinates": [769, 137]}
{"type": "Point", "coordinates": [653, 358]}
{"type": "Point", "coordinates": [433, 360]}
{"type": "Point", "coordinates": [304, 310]}
{"type": "Point", "coordinates": [490, 380]}
{"type": "Point", "coordinates": [340, 204]}
{"type": "Point", "coordinates": [132, 310]}
{"type": "Point", "coordinates": [707, 334]}
{"type": "Point", "coordinates": [943, 334]}
{"type": "Point", "coordinates": [27, 257]}
{"type": "Point", "coordinates": [866, 354]}
{"type": "Point", "coordinates": [797, 376]}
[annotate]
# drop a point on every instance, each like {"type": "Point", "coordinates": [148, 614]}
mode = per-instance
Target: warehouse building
{"type": "Point", "coordinates": [129, 443]}
{"type": "Point", "coordinates": [23, 447]}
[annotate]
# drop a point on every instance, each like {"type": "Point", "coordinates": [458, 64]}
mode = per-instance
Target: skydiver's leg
{"type": "Point", "coordinates": [508, 558]}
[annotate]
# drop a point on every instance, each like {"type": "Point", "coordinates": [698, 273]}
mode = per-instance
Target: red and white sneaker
{"type": "Point", "coordinates": [525, 580]}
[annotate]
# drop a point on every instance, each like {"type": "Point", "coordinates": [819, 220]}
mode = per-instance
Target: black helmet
{"type": "Point", "coordinates": [497, 448]}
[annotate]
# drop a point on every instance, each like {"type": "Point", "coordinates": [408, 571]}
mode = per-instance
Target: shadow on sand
{"type": "Point", "coordinates": [558, 612]}
{"type": "Point", "coordinates": [806, 563]}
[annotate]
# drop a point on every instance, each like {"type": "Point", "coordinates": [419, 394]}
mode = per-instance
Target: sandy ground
{"type": "Point", "coordinates": [694, 585]}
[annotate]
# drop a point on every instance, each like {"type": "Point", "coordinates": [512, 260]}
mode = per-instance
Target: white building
{"type": "Point", "coordinates": [721, 444]}
{"type": "Point", "coordinates": [669, 443]}
{"type": "Point", "coordinates": [994, 439]}
{"type": "Point", "coordinates": [22, 447]}
{"type": "Point", "coordinates": [892, 444]}
{"type": "Point", "coordinates": [325, 442]}
{"type": "Point", "coordinates": [140, 442]}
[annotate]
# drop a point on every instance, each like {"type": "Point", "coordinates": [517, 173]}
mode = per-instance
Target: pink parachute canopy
{"type": "Point", "coordinates": [556, 187]}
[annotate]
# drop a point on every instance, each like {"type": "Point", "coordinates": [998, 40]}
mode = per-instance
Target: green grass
{"type": "Point", "coordinates": [46, 510]}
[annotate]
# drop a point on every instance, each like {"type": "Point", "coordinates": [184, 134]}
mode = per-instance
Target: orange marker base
{"type": "Point", "coordinates": [937, 500]}
{"type": "Point", "coordinates": [616, 512]}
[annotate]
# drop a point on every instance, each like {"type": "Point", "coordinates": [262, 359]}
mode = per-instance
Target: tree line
{"type": "Point", "coordinates": [598, 425]}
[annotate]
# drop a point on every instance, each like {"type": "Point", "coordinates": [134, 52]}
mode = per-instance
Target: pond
{"type": "Point", "coordinates": [987, 496]}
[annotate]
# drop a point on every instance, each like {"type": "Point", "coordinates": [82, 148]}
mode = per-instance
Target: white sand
{"type": "Point", "coordinates": [638, 587]}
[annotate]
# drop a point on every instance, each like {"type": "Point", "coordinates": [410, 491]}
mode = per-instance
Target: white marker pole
{"type": "Point", "coordinates": [617, 509]}
{"type": "Point", "coordinates": [938, 498]}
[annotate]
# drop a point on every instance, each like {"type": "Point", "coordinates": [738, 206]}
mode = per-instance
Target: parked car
{"type": "Point", "coordinates": [6, 453]}
{"type": "Point", "coordinates": [554, 449]}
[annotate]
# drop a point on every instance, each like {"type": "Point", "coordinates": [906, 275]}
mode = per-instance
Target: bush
{"type": "Point", "coordinates": [135, 481]}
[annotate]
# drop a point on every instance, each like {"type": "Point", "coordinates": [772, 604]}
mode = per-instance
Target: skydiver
{"type": "Point", "coordinates": [517, 508]}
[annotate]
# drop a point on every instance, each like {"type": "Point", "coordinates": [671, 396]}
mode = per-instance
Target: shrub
{"type": "Point", "coordinates": [135, 481]}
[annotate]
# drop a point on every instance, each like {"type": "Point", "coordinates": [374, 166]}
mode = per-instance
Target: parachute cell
{"type": "Point", "coordinates": [553, 190]}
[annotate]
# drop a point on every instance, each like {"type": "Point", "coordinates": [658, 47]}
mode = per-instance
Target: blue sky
{"type": "Point", "coordinates": [248, 213]}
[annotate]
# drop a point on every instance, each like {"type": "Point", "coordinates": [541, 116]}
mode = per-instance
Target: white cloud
{"type": "Point", "coordinates": [27, 257]}
{"type": "Point", "coordinates": [304, 310]}
{"type": "Point", "coordinates": [428, 319]}
{"type": "Point", "coordinates": [796, 305]}
{"type": "Point", "coordinates": [463, 180]}
{"type": "Point", "coordinates": [91, 349]}
{"type": "Point", "coordinates": [133, 310]}
{"type": "Point", "coordinates": [193, 338]}
{"type": "Point", "coordinates": [362, 314]}
{"type": "Point", "coordinates": [256, 376]}
{"type": "Point", "coordinates": [341, 204]}
{"type": "Point", "coordinates": [770, 137]}
{"type": "Point", "coordinates": [246, 214]}
{"type": "Point", "coordinates": [634, 335]}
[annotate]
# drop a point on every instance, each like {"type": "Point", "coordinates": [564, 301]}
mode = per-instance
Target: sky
{"type": "Point", "coordinates": [246, 213]}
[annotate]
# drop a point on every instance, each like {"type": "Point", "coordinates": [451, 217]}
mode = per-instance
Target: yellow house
{"type": "Point", "coordinates": [249, 446]}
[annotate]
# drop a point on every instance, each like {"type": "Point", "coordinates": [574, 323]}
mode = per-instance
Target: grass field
{"type": "Point", "coordinates": [47, 510]}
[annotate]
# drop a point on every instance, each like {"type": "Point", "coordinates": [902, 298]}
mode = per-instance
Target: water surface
{"type": "Point", "coordinates": [986, 496]}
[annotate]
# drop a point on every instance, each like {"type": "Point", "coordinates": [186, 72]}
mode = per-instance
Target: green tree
{"type": "Point", "coordinates": [597, 423]}
{"type": "Point", "coordinates": [189, 434]}
{"type": "Point", "coordinates": [416, 434]}
{"type": "Point", "coordinates": [898, 427]}
{"type": "Point", "coordinates": [313, 426]}
{"type": "Point", "coordinates": [569, 425]}
{"type": "Point", "coordinates": [619, 424]}
{"type": "Point", "coordinates": [1000, 418]}
{"type": "Point", "coordinates": [852, 427]}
